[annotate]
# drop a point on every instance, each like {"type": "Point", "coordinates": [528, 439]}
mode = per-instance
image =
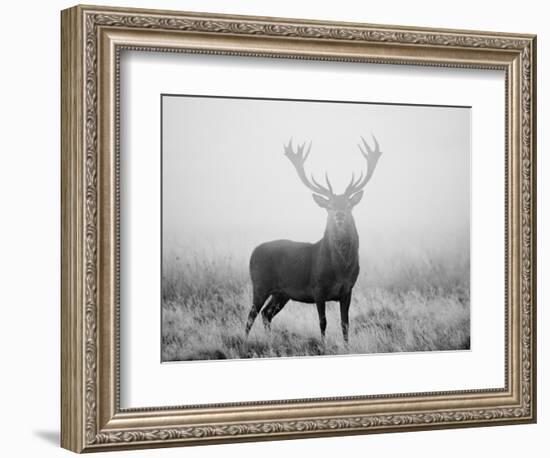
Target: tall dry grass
{"type": "Point", "coordinates": [415, 303]}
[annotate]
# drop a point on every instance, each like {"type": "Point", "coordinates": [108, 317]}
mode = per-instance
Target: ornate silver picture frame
{"type": "Point", "coordinates": [93, 41]}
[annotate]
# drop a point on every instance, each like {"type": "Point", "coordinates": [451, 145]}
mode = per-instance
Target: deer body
{"type": "Point", "coordinates": [307, 272]}
{"type": "Point", "coordinates": [284, 270]}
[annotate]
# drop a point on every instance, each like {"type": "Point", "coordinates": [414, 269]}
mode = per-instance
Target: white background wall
{"type": "Point", "coordinates": [29, 233]}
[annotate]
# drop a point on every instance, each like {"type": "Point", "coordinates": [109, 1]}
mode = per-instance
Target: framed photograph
{"type": "Point", "coordinates": [278, 228]}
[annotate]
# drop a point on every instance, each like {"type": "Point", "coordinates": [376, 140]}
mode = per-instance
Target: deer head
{"type": "Point", "coordinates": [338, 206]}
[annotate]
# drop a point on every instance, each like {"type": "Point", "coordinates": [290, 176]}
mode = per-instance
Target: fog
{"type": "Point", "coordinates": [227, 184]}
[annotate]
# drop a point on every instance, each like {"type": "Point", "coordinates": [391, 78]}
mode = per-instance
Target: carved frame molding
{"type": "Point", "coordinates": [92, 39]}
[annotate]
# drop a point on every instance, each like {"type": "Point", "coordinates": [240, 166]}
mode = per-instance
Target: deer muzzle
{"type": "Point", "coordinates": [339, 218]}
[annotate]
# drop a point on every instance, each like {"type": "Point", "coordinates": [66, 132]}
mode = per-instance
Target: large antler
{"type": "Point", "coordinates": [371, 156]}
{"type": "Point", "coordinates": [298, 159]}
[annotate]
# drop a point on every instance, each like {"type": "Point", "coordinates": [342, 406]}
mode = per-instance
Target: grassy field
{"type": "Point", "coordinates": [422, 305]}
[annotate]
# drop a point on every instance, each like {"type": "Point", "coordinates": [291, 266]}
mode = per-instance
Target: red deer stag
{"type": "Point", "coordinates": [313, 272]}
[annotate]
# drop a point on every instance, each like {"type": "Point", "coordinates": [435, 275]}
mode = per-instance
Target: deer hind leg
{"type": "Point", "coordinates": [258, 301]}
{"type": "Point", "coordinates": [274, 306]}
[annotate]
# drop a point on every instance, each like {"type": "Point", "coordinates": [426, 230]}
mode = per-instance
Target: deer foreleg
{"type": "Point", "coordinates": [321, 306]}
{"type": "Point", "coordinates": [344, 314]}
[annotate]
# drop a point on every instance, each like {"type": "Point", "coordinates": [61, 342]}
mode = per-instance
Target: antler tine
{"type": "Point", "coordinates": [353, 183]}
{"type": "Point", "coordinates": [328, 183]}
{"type": "Point", "coordinates": [320, 186]}
{"type": "Point", "coordinates": [298, 159]}
{"type": "Point", "coordinates": [350, 185]}
{"type": "Point", "coordinates": [308, 151]}
{"type": "Point", "coordinates": [376, 145]}
{"type": "Point", "coordinates": [371, 156]}
{"type": "Point", "coordinates": [363, 152]}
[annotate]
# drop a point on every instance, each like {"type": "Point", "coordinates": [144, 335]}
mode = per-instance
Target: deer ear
{"type": "Point", "coordinates": [356, 198]}
{"type": "Point", "coordinates": [321, 201]}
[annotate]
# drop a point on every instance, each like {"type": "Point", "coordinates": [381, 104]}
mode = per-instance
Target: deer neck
{"type": "Point", "coordinates": [342, 243]}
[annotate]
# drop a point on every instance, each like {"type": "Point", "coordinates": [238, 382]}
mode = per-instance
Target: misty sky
{"type": "Point", "coordinates": [226, 182]}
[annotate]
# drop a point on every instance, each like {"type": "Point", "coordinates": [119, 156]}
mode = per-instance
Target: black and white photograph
{"type": "Point", "coordinates": [300, 228]}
